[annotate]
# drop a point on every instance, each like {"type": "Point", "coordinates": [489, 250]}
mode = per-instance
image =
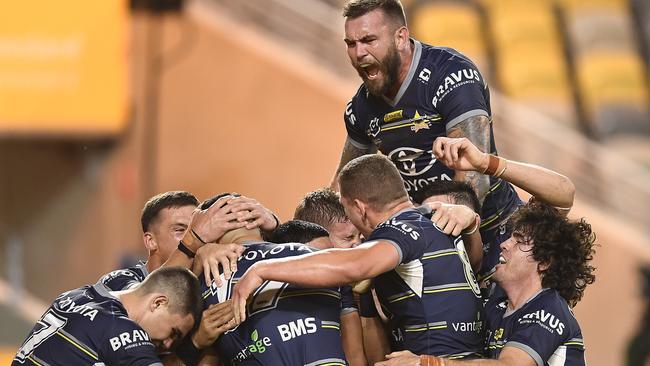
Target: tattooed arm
{"type": "Point", "coordinates": [477, 130]}
{"type": "Point", "coordinates": [350, 152]}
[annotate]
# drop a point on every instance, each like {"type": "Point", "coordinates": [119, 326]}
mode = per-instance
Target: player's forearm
{"type": "Point", "coordinates": [351, 338]}
{"type": "Point", "coordinates": [350, 152]}
{"type": "Point", "coordinates": [375, 342]}
{"type": "Point", "coordinates": [331, 267]}
{"type": "Point", "coordinates": [479, 362]}
{"type": "Point", "coordinates": [546, 185]}
{"type": "Point", "coordinates": [477, 130]}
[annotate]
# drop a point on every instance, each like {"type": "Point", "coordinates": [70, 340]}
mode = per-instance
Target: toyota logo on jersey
{"type": "Point", "coordinates": [405, 160]}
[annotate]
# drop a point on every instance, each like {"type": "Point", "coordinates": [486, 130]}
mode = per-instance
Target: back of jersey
{"type": "Point", "coordinates": [286, 325]}
{"type": "Point", "coordinates": [432, 294]}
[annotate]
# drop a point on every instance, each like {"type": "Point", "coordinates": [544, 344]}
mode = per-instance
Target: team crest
{"type": "Point", "coordinates": [422, 125]}
{"type": "Point", "coordinates": [374, 128]}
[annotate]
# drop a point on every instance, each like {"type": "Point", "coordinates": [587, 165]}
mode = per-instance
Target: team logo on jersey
{"type": "Point", "coordinates": [498, 334]}
{"type": "Point", "coordinates": [453, 81]}
{"type": "Point", "coordinates": [423, 125]}
{"type": "Point", "coordinates": [401, 227]}
{"type": "Point", "coordinates": [134, 338]}
{"type": "Point", "coordinates": [257, 345]}
{"type": "Point", "coordinates": [348, 113]}
{"type": "Point", "coordinates": [374, 127]}
{"type": "Point", "coordinates": [545, 319]}
{"type": "Point", "coordinates": [393, 116]}
{"type": "Point", "coordinates": [404, 158]}
{"type": "Point", "coordinates": [297, 328]}
{"type": "Point", "coordinates": [424, 76]}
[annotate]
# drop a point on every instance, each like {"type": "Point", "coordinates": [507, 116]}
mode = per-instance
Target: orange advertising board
{"type": "Point", "coordinates": [63, 67]}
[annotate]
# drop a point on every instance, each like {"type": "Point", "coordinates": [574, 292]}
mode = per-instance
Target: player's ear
{"type": "Point", "coordinates": [542, 267]}
{"type": "Point", "coordinates": [158, 301]}
{"type": "Point", "coordinates": [402, 38]}
{"type": "Point", "coordinates": [149, 241]}
{"type": "Point", "coordinates": [362, 207]}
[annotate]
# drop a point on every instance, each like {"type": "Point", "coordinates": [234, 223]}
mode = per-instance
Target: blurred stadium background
{"type": "Point", "coordinates": [105, 103]}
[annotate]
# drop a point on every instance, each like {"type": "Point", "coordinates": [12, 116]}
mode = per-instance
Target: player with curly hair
{"type": "Point", "coordinates": [542, 273]}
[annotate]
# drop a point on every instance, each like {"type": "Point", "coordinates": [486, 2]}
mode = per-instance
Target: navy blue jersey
{"type": "Point", "coordinates": [286, 325]}
{"type": "Point", "coordinates": [123, 279]}
{"type": "Point", "coordinates": [347, 300]}
{"type": "Point", "coordinates": [544, 327]}
{"type": "Point", "coordinates": [87, 326]}
{"type": "Point", "coordinates": [441, 89]}
{"type": "Point", "coordinates": [432, 295]}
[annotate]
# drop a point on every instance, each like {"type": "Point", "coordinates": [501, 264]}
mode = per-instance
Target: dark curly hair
{"type": "Point", "coordinates": [566, 246]}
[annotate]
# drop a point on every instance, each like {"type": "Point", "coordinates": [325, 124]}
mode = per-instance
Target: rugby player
{"type": "Point", "coordinates": [411, 94]}
{"type": "Point", "coordinates": [92, 325]}
{"type": "Point", "coordinates": [543, 271]}
{"type": "Point", "coordinates": [165, 219]}
{"type": "Point", "coordinates": [287, 325]}
{"type": "Point", "coordinates": [314, 235]}
{"type": "Point", "coordinates": [543, 184]}
{"type": "Point", "coordinates": [421, 275]}
{"type": "Point", "coordinates": [299, 231]}
{"type": "Point", "coordinates": [323, 207]}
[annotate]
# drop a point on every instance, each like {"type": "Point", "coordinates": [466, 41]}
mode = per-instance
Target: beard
{"type": "Point", "coordinates": [389, 68]}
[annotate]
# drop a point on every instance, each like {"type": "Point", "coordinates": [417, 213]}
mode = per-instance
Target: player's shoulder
{"type": "Point", "coordinates": [409, 223]}
{"type": "Point", "coordinates": [443, 57]}
{"type": "Point", "coordinates": [548, 299]}
{"type": "Point", "coordinates": [360, 103]}
{"type": "Point", "coordinates": [121, 279]}
{"type": "Point", "coordinates": [91, 305]}
{"type": "Point", "coordinates": [125, 335]}
{"type": "Point", "coordinates": [549, 310]}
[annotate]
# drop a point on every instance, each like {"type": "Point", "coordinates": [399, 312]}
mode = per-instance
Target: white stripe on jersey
{"type": "Point", "coordinates": [558, 358]}
{"type": "Point", "coordinates": [413, 274]}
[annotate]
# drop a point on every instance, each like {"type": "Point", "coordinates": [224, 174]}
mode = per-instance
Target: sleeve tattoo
{"type": "Point", "coordinates": [351, 152]}
{"type": "Point", "coordinates": [477, 130]}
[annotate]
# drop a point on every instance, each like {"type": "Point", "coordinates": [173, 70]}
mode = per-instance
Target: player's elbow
{"type": "Point", "coordinates": [568, 190]}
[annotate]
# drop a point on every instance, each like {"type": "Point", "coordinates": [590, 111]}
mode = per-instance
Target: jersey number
{"type": "Point", "coordinates": [50, 323]}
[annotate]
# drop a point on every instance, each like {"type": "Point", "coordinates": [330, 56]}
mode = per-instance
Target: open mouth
{"type": "Point", "coordinates": [370, 70]}
{"type": "Point", "coordinates": [502, 260]}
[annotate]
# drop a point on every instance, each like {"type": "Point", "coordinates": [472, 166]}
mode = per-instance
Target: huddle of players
{"type": "Point", "coordinates": [427, 110]}
{"type": "Point", "coordinates": [423, 280]}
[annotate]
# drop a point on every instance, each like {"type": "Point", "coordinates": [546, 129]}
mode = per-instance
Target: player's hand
{"type": "Point", "coordinates": [210, 256]}
{"type": "Point", "coordinates": [402, 358]}
{"type": "Point", "coordinates": [406, 358]}
{"type": "Point", "coordinates": [248, 283]}
{"type": "Point", "coordinates": [216, 319]}
{"type": "Point", "coordinates": [459, 154]}
{"type": "Point", "coordinates": [452, 219]}
{"type": "Point", "coordinates": [210, 224]}
{"type": "Point", "coordinates": [253, 214]}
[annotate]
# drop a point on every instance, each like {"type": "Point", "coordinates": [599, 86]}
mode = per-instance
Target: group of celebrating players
{"type": "Point", "coordinates": [421, 255]}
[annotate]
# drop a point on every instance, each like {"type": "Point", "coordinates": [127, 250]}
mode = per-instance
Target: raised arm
{"type": "Point", "coordinates": [350, 152]}
{"type": "Point", "coordinates": [544, 184]}
{"type": "Point", "coordinates": [326, 268]}
{"type": "Point", "coordinates": [477, 130]}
